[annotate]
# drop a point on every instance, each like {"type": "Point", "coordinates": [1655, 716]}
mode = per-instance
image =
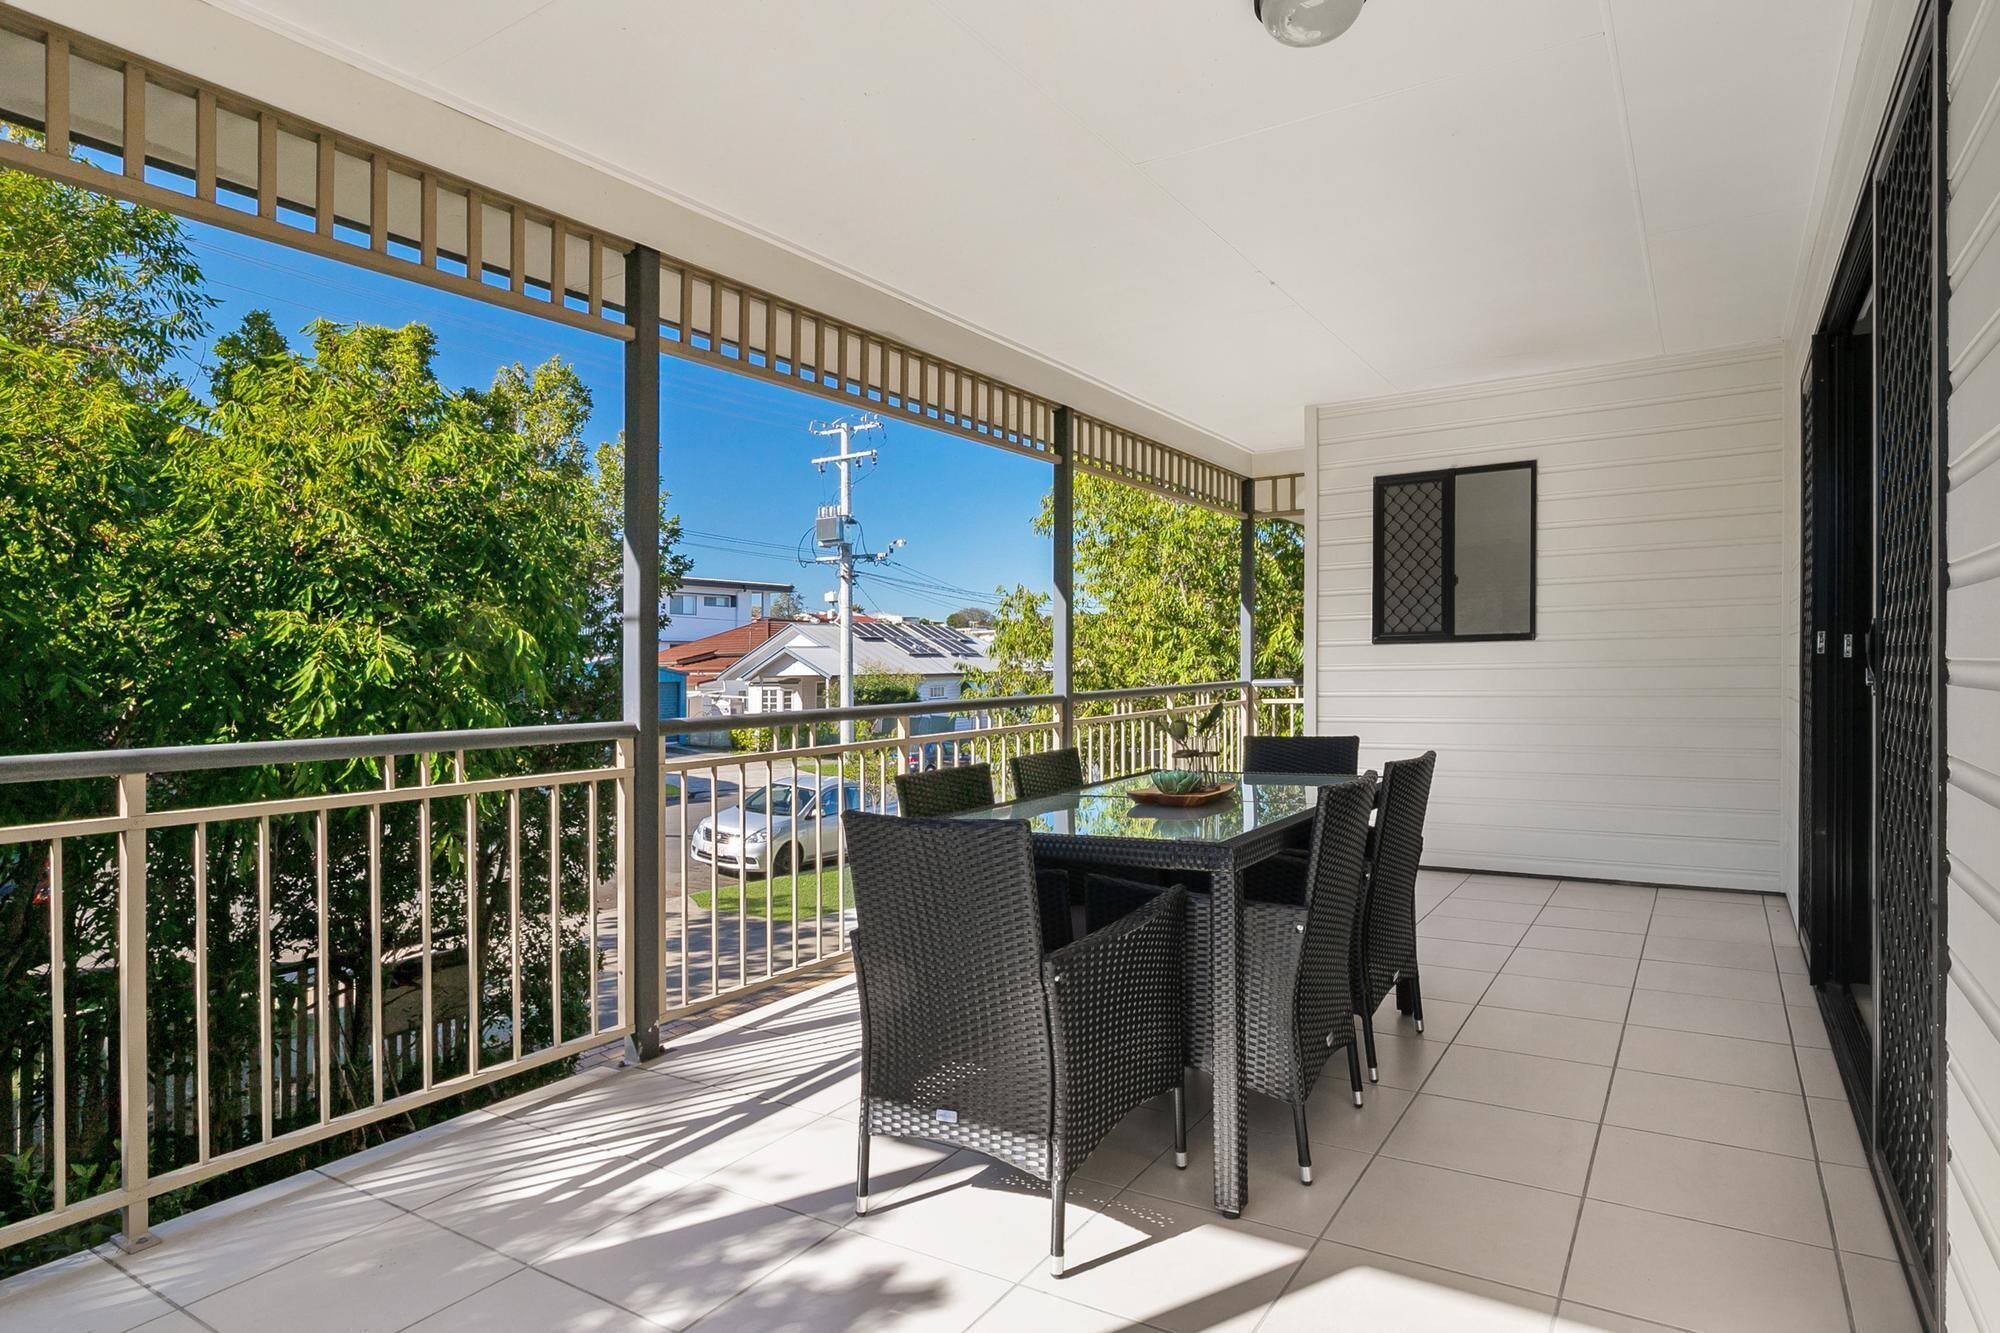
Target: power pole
{"type": "Point", "coordinates": [831, 534]}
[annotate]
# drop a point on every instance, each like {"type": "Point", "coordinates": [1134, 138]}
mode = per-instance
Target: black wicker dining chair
{"type": "Point", "coordinates": [953, 791]}
{"type": "Point", "coordinates": [1048, 774]}
{"type": "Point", "coordinates": [1388, 944]}
{"type": "Point", "coordinates": [1298, 980]}
{"type": "Point", "coordinates": [972, 1037]}
{"type": "Point", "coordinates": [944, 791]}
{"type": "Point", "coordinates": [1301, 754]}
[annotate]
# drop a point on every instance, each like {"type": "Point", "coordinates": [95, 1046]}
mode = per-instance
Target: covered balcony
{"type": "Point", "coordinates": [1615, 377]}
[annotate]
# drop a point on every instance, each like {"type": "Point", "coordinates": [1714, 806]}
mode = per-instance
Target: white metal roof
{"type": "Point", "coordinates": [910, 648]}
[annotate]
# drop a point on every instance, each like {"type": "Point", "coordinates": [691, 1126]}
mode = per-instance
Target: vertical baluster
{"type": "Point", "coordinates": [685, 905]}
{"type": "Point", "coordinates": [590, 879]}
{"type": "Point", "coordinates": [322, 967]}
{"type": "Point", "coordinates": [514, 911]}
{"type": "Point", "coordinates": [58, 1032]}
{"type": "Point", "coordinates": [555, 915]}
{"type": "Point", "coordinates": [264, 1070]}
{"type": "Point", "coordinates": [425, 996]}
{"type": "Point", "coordinates": [472, 1026]}
{"type": "Point", "coordinates": [377, 1053]}
{"type": "Point", "coordinates": [134, 1123]}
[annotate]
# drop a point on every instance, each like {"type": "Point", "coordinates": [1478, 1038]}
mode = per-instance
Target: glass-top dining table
{"type": "Point", "coordinates": [1102, 827]}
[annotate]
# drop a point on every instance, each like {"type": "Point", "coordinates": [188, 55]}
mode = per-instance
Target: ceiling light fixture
{"type": "Point", "coordinates": [1307, 22]}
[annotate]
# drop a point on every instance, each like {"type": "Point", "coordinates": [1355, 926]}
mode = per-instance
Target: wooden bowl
{"type": "Point", "coordinates": [1180, 799]}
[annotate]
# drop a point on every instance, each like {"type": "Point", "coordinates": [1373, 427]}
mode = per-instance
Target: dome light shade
{"type": "Point", "coordinates": [1307, 22]}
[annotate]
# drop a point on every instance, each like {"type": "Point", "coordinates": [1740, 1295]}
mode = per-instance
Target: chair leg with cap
{"type": "Point", "coordinates": [1305, 1146]}
{"type": "Point", "coordinates": [1368, 1038]}
{"type": "Point", "coordinates": [861, 1176]}
{"type": "Point", "coordinates": [1354, 1070]}
{"type": "Point", "coordinates": [1057, 1188]}
{"type": "Point", "coordinates": [1180, 1123]}
{"type": "Point", "coordinates": [1417, 1002]}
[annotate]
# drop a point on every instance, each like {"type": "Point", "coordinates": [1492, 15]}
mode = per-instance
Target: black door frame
{"type": "Point", "coordinates": [1919, 86]}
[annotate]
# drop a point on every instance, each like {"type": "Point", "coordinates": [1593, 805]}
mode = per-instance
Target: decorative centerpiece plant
{"type": "Point", "coordinates": [1196, 750]}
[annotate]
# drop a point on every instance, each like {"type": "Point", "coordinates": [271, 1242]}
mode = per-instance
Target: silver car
{"type": "Point", "coordinates": [793, 822]}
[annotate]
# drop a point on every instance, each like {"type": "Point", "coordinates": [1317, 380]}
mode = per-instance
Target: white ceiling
{"type": "Point", "coordinates": [1156, 194]}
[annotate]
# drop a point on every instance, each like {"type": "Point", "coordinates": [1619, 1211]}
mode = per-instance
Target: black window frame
{"type": "Point", "coordinates": [1450, 476]}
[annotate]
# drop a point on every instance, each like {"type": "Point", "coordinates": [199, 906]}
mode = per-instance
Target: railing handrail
{"type": "Point", "coordinates": [860, 713]}
{"type": "Point", "coordinates": [254, 754]}
{"type": "Point", "coordinates": [1155, 691]}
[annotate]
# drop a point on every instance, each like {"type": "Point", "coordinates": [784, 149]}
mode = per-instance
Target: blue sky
{"type": "Point", "coordinates": [735, 453]}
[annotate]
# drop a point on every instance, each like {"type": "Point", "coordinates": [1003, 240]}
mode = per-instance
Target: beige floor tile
{"type": "Point", "coordinates": [1819, 1072]}
{"type": "Point", "coordinates": [1748, 1019]}
{"type": "Point", "coordinates": [81, 1293]}
{"type": "Point", "coordinates": [1277, 1197]}
{"type": "Point", "coordinates": [444, 1158]}
{"type": "Point", "coordinates": [1334, 1120]}
{"type": "Point", "coordinates": [1506, 888]}
{"type": "Point", "coordinates": [1858, 1220]}
{"type": "Point", "coordinates": [1139, 1140]}
{"type": "Point", "coordinates": [1729, 983]}
{"type": "Point", "coordinates": [1599, 969]}
{"type": "Point", "coordinates": [1466, 954]}
{"type": "Point", "coordinates": [1564, 939]}
{"type": "Point", "coordinates": [1574, 1318]}
{"type": "Point", "coordinates": [682, 1257]}
{"type": "Point", "coordinates": [1700, 1276]}
{"type": "Point", "coordinates": [852, 1281]}
{"type": "Point", "coordinates": [1797, 989]}
{"type": "Point", "coordinates": [1565, 1038]}
{"type": "Point", "coordinates": [1880, 1295]}
{"type": "Point", "coordinates": [663, 1120]}
{"type": "Point", "coordinates": [1791, 959]}
{"type": "Point", "coordinates": [973, 1211]}
{"type": "Point", "coordinates": [1739, 928]}
{"type": "Point", "coordinates": [1742, 905]}
{"type": "Point", "coordinates": [209, 1249]}
{"type": "Point", "coordinates": [379, 1280]}
{"type": "Point", "coordinates": [533, 1300]}
{"type": "Point", "coordinates": [1340, 1286]}
{"type": "Point", "coordinates": [1471, 928]}
{"type": "Point", "coordinates": [532, 1211]}
{"type": "Point", "coordinates": [1747, 1064]}
{"type": "Point", "coordinates": [1546, 1151]}
{"type": "Point", "coordinates": [1709, 953]}
{"type": "Point", "coordinates": [1603, 897]}
{"type": "Point", "coordinates": [1524, 1082]}
{"type": "Point", "coordinates": [811, 1170]}
{"type": "Point", "coordinates": [1834, 1133]}
{"type": "Point", "coordinates": [1156, 1262]}
{"type": "Point", "coordinates": [1808, 1026]}
{"type": "Point", "coordinates": [1487, 909]}
{"type": "Point", "coordinates": [1546, 995]}
{"type": "Point", "coordinates": [1493, 1229]}
{"type": "Point", "coordinates": [1763, 1192]}
{"type": "Point", "coordinates": [1402, 1061]}
{"type": "Point", "coordinates": [1714, 1112]}
{"type": "Point", "coordinates": [1442, 1019]}
{"type": "Point", "coordinates": [1457, 984]}
{"type": "Point", "coordinates": [1024, 1308]}
{"type": "Point", "coordinates": [1727, 897]}
{"type": "Point", "coordinates": [1595, 918]}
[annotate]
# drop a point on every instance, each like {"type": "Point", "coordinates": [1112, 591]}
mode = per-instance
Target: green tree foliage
{"type": "Point", "coordinates": [328, 540]}
{"type": "Point", "coordinates": [1156, 598]}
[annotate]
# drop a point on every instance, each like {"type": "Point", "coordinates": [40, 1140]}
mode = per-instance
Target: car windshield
{"type": "Point", "coordinates": [780, 800]}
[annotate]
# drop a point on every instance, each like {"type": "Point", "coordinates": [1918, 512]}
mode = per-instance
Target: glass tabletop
{"type": "Point", "coordinates": [1107, 810]}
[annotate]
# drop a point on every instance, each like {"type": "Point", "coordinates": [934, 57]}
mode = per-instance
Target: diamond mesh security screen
{"type": "Point", "coordinates": [1807, 895]}
{"type": "Point", "coordinates": [1412, 538]}
{"type": "Point", "coordinates": [1906, 663]}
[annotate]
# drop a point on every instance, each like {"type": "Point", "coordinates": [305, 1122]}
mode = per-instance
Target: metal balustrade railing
{"type": "Point", "coordinates": [291, 940]}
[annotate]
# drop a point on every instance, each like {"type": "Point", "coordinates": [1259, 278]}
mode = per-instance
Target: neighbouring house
{"type": "Point", "coordinates": [800, 668]}
{"type": "Point", "coordinates": [687, 668]}
{"type": "Point", "coordinates": [701, 607]}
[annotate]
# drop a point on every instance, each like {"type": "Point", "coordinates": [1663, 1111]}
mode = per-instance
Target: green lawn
{"type": "Point", "coordinates": [819, 893]}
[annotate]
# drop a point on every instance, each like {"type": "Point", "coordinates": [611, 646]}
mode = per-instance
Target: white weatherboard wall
{"type": "Point", "coordinates": [1638, 736]}
{"type": "Point", "coordinates": [1972, 656]}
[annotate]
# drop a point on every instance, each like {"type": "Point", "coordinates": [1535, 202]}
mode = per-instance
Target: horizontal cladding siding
{"type": "Point", "coordinates": [1972, 653]}
{"type": "Point", "coordinates": [1639, 735]}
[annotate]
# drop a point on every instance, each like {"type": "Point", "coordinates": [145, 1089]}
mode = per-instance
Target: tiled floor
{"type": "Point", "coordinates": [1623, 1115]}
